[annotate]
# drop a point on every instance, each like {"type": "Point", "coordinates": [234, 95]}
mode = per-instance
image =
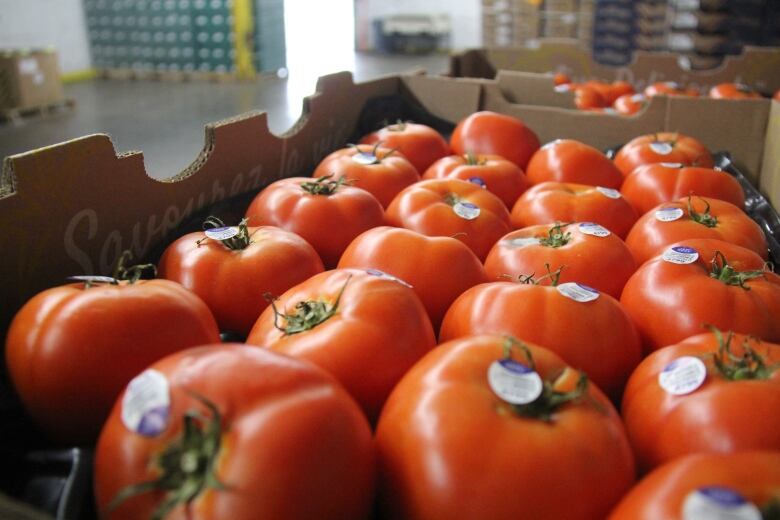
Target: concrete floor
{"type": "Point", "coordinates": [165, 119]}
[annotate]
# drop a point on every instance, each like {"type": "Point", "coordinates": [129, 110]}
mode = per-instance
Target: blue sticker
{"type": "Point", "coordinates": [478, 181]}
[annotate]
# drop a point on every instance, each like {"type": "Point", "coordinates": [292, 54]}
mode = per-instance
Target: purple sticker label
{"type": "Point", "coordinates": [478, 181]}
{"type": "Point", "coordinates": [514, 366]}
{"type": "Point", "coordinates": [146, 404]}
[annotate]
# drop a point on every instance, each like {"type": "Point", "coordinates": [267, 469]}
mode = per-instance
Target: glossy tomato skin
{"type": "Point", "coordinates": [380, 329]}
{"type": "Point", "coordinates": [327, 222]}
{"type": "Point", "coordinates": [569, 202]}
{"type": "Point", "coordinates": [586, 97]}
{"type": "Point", "coordinates": [654, 232]}
{"type": "Point", "coordinates": [669, 88]}
{"type": "Point", "coordinates": [688, 297]}
{"type": "Point", "coordinates": [443, 408]}
{"type": "Point", "coordinates": [630, 104]}
{"type": "Point", "coordinates": [734, 91]}
{"type": "Point", "coordinates": [439, 269]}
{"type": "Point", "coordinates": [721, 416]}
{"type": "Point", "coordinates": [662, 147]}
{"type": "Point", "coordinates": [753, 474]}
{"type": "Point", "coordinates": [601, 262]}
{"type": "Point", "coordinates": [500, 177]}
{"type": "Point", "coordinates": [653, 184]}
{"type": "Point", "coordinates": [596, 337]}
{"type": "Point", "coordinates": [559, 78]}
{"type": "Point", "coordinates": [389, 173]}
{"type": "Point", "coordinates": [70, 350]}
{"type": "Point", "coordinates": [489, 132]}
{"type": "Point", "coordinates": [233, 282]}
{"type": "Point", "coordinates": [570, 161]}
{"type": "Point", "coordinates": [776, 97]}
{"type": "Point", "coordinates": [421, 144]}
{"type": "Point", "coordinates": [431, 207]}
{"type": "Point", "coordinates": [290, 437]}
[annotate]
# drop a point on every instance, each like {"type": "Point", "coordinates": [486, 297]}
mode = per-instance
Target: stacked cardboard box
{"type": "Point", "coordinates": [29, 79]}
{"type": "Point", "coordinates": [622, 26]}
{"type": "Point", "coordinates": [511, 23]}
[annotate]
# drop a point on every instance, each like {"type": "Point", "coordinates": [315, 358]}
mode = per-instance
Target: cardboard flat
{"type": "Point", "coordinates": [770, 169]}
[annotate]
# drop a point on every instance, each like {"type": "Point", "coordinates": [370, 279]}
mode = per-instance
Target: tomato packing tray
{"type": "Point", "coordinates": [117, 206]}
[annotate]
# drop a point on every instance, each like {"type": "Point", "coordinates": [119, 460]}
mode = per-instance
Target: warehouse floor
{"type": "Point", "coordinates": [165, 119]}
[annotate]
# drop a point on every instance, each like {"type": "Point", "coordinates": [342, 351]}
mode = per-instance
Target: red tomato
{"type": "Point", "coordinates": [239, 433]}
{"type": "Point", "coordinates": [560, 78]}
{"type": "Point", "coordinates": [566, 160]}
{"type": "Point", "coordinates": [693, 217]}
{"type": "Point", "coordinates": [662, 147]}
{"type": "Point", "coordinates": [71, 349]}
{"type": "Point", "coordinates": [492, 133]}
{"type": "Point", "coordinates": [364, 327]}
{"type": "Point", "coordinates": [421, 144]}
{"type": "Point", "coordinates": [594, 336]}
{"type": "Point", "coordinates": [587, 97]}
{"type": "Point", "coordinates": [609, 92]}
{"type": "Point", "coordinates": [450, 447]}
{"type": "Point", "coordinates": [734, 91]}
{"type": "Point", "coordinates": [669, 88]}
{"type": "Point", "coordinates": [776, 97]}
{"type": "Point", "coordinates": [500, 177]}
{"type": "Point", "coordinates": [732, 394]}
{"type": "Point", "coordinates": [232, 275]}
{"type": "Point", "coordinates": [454, 208]}
{"type": "Point", "coordinates": [688, 483]}
{"type": "Point", "coordinates": [629, 104]}
{"type": "Point", "coordinates": [707, 282]}
{"type": "Point", "coordinates": [550, 202]}
{"type": "Point", "coordinates": [326, 213]}
{"type": "Point", "coordinates": [381, 171]}
{"type": "Point", "coordinates": [439, 269]}
{"type": "Point", "coordinates": [653, 184]}
{"type": "Point", "coordinates": [590, 253]}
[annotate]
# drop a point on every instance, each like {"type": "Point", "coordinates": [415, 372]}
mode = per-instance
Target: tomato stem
{"type": "Point", "coordinates": [553, 276]}
{"type": "Point", "coordinates": [722, 271]}
{"type": "Point", "coordinates": [133, 273]}
{"type": "Point", "coordinates": [473, 159]}
{"type": "Point", "coordinates": [750, 365]}
{"type": "Point", "coordinates": [188, 464]}
{"type": "Point", "coordinates": [237, 243]}
{"type": "Point", "coordinates": [323, 186]}
{"type": "Point", "coordinates": [556, 237]}
{"type": "Point", "coordinates": [308, 313]}
{"type": "Point", "coordinates": [706, 218]}
{"type": "Point", "coordinates": [399, 126]}
{"type": "Point", "coordinates": [771, 510]}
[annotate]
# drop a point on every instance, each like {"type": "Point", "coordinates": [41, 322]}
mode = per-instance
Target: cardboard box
{"type": "Point", "coordinates": [29, 79]}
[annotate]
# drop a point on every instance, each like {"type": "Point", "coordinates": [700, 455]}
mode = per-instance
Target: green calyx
{"type": "Point", "coordinates": [307, 315]}
{"type": "Point", "coordinates": [132, 273]}
{"type": "Point", "coordinates": [722, 271]}
{"type": "Point", "coordinates": [324, 186]}
{"type": "Point", "coordinates": [451, 199]}
{"type": "Point", "coordinates": [553, 276]}
{"type": "Point", "coordinates": [771, 510]}
{"type": "Point", "coordinates": [706, 218]}
{"type": "Point", "coordinates": [556, 237]}
{"type": "Point", "coordinates": [238, 242]}
{"type": "Point", "coordinates": [372, 157]}
{"type": "Point", "coordinates": [399, 126]}
{"type": "Point", "coordinates": [187, 466]}
{"type": "Point", "coordinates": [750, 365]}
{"type": "Point", "coordinates": [473, 159]}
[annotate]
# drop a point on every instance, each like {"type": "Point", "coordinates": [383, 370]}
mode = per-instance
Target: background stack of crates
{"type": "Point", "coordinates": [622, 26]}
{"type": "Point", "coordinates": [512, 23]}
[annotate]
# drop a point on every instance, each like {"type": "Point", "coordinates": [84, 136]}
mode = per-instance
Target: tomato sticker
{"type": "Point", "coordinates": [523, 241]}
{"type": "Point", "coordinates": [672, 165]}
{"type": "Point", "coordinates": [610, 110]}
{"type": "Point", "coordinates": [661, 148]}
{"type": "Point", "coordinates": [637, 98]}
{"type": "Point", "coordinates": [562, 88]}
{"type": "Point", "coordinates": [683, 375]}
{"type": "Point", "coordinates": [146, 404]}
{"type": "Point", "coordinates": [387, 276]}
{"type": "Point", "coordinates": [669, 214]}
{"type": "Point", "coordinates": [578, 292]}
{"type": "Point", "coordinates": [93, 279]}
{"type": "Point", "coordinates": [222, 233]}
{"type": "Point", "coordinates": [593, 229]}
{"type": "Point", "coordinates": [514, 382]}
{"type": "Point", "coordinates": [680, 255]}
{"type": "Point", "coordinates": [466, 210]}
{"type": "Point", "coordinates": [609, 192]}
{"type": "Point", "coordinates": [479, 181]}
{"type": "Point", "coordinates": [718, 503]}
{"type": "Point", "coordinates": [365, 158]}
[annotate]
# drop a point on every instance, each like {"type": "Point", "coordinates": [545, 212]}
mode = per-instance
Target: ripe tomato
{"type": "Point", "coordinates": [662, 147]}
{"type": "Point", "coordinates": [500, 177]}
{"type": "Point", "coordinates": [454, 208]}
{"type": "Point", "coordinates": [232, 275]}
{"type": "Point", "coordinates": [669, 88]}
{"type": "Point", "coordinates": [492, 133]}
{"type": "Point", "coordinates": [550, 202]}
{"type": "Point", "coordinates": [590, 253]}
{"type": "Point", "coordinates": [694, 482]}
{"type": "Point", "coordinates": [233, 432]}
{"type": "Point", "coordinates": [776, 97]}
{"type": "Point", "coordinates": [587, 97]}
{"type": "Point", "coordinates": [734, 91]}
{"type": "Point", "coordinates": [421, 144]}
{"type": "Point", "coordinates": [594, 336]}
{"type": "Point", "coordinates": [703, 281]}
{"type": "Point", "coordinates": [629, 104]}
{"type": "Point", "coordinates": [364, 327]}
{"type": "Point", "coordinates": [693, 217]}
{"type": "Point", "coordinates": [653, 184]}
{"type": "Point", "coordinates": [559, 78]}
{"type": "Point", "coordinates": [722, 400]}
{"type": "Point", "coordinates": [567, 160]}
{"type": "Point", "coordinates": [439, 269]}
{"type": "Point", "coordinates": [71, 349]}
{"type": "Point", "coordinates": [440, 414]}
{"type": "Point", "coordinates": [381, 171]}
{"type": "Point", "coordinates": [326, 213]}
{"type": "Point", "coordinates": [610, 91]}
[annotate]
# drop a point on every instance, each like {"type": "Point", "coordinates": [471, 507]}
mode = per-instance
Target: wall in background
{"type": "Point", "coordinates": [47, 23]}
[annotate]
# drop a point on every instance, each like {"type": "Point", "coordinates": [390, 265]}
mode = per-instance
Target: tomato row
{"type": "Point", "coordinates": [463, 355]}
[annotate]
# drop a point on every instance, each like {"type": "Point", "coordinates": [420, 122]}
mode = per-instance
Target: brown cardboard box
{"type": "Point", "coordinates": [29, 79]}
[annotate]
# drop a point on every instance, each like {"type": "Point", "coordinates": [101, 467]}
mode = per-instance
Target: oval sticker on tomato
{"type": "Point", "coordinates": [387, 276]}
{"type": "Point", "coordinates": [222, 233]}
{"type": "Point", "coordinates": [683, 375]}
{"type": "Point", "coordinates": [466, 210]}
{"type": "Point", "coordinates": [608, 192]}
{"type": "Point", "coordinates": [365, 158]}
{"type": "Point", "coordinates": [680, 255]}
{"type": "Point", "coordinates": [93, 279]}
{"type": "Point", "coordinates": [578, 292]}
{"type": "Point", "coordinates": [514, 382]}
{"type": "Point", "coordinates": [593, 229]}
{"type": "Point", "coordinates": [661, 148]}
{"type": "Point", "coordinates": [718, 503]}
{"type": "Point", "coordinates": [523, 242]}
{"type": "Point", "coordinates": [146, 404]}
{"type": "Point", "coordinates": [672, 165]}
{"type": "Point", "coordinates": [669, 214]}
{"type": "Point", "coordinates": [479, 181]}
